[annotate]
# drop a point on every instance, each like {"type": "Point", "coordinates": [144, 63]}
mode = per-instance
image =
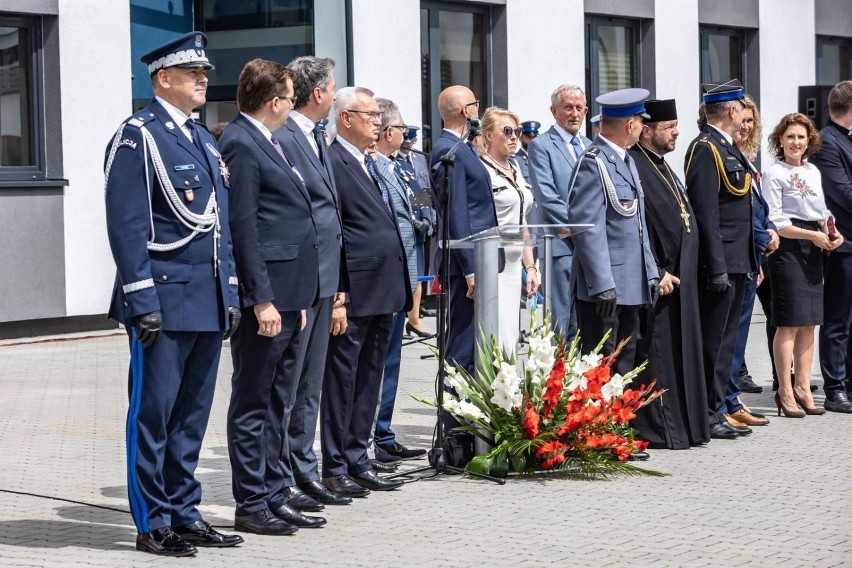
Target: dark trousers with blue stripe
{"type": "Point", "coordinates": [171, 391]}
{"type": "Point", "coordinates": [384, 436]}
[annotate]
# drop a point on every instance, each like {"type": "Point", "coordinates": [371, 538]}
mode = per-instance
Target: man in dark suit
{"type": "Point", "coordinates": [470, 210]}
{"type": "Point", "coordinates": [303, 141]}
{"type": "Point", "coordinates": [175, 291]}
{"type": "Point", "coordinates": [719, 185]}
{"type": "Point", "coordinates": [378, 288]}
{"type": "Point", "coordinates": [614, 273]}
{"type": "Point", "coordinates": [834, 161]}
{"type": "Point", "coordinates": [277, 265]}
{"type": "Point", "coordinates": [553, 157]}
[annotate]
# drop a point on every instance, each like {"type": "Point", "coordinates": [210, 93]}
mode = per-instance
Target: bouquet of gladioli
{"type": "Point", "coordinates": [565, 411]}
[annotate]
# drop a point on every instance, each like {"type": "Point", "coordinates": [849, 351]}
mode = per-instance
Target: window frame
{"type": "Point", "coordinates": [704, 47]}
{"type": "Point", "coordinates": [592, 23]}
{"type": "Point", "coordinates": [16, 176]}
{"type": "Point", "coordinates": [433, 66]}
{"type": "Point", "coordinates": [822, 40]}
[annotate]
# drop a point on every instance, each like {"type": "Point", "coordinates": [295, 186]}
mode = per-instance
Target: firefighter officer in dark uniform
{"type": "Point", "coordinates": [175, 291]}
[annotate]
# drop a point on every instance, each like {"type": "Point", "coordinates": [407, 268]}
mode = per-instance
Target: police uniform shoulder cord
{"type": "Point", "coordinates": [611, 195]}
{"type": "Point", "coordinates": [720, 167]}
{"type": "Point", "coordinates": [204, 223]}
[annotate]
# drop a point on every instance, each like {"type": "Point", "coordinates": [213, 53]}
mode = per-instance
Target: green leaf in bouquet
{"type": "Point", "coordinates": [519, 462]}
{"type": "Point", "coordinates": [481, 464]}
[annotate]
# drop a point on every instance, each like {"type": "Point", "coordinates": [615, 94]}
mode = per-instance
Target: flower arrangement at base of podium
{"type": "Point", "coordinates": [565, 412]}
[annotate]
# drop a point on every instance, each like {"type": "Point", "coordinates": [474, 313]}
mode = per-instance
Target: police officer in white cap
{"type": "Point", "coordinates": [614, 271]}
{"type": "Point", "coordinates": [175, 291]}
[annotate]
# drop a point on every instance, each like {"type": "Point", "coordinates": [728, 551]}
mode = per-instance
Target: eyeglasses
{"type": "Point", "coordinates": [508, 131]}
{"type": "Point", "coordinates": [402, 127]}
{"type": "Point", "coordinates": [291, 100]}
{"type": "Point", "coordinates": [371, 114]}
{"type": "Point", "coordinates": [471, 104]}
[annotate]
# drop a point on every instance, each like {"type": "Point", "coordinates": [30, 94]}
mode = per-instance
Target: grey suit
{"type": "Point", "coordinates": [614, 254]}
{"type": "Point", "coordinates": [551, 164]}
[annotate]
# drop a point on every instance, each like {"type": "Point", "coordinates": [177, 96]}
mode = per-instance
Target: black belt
{"type": "Point", "coordinates": [812, 225]}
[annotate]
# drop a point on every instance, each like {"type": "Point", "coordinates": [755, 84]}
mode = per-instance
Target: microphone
{"type": "Point", "coordinates": [474, 126]}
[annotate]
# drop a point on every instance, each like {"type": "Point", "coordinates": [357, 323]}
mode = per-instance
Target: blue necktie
{"type": "Point", "coordinates": [578, 149]}
{"type": "Point", "coordinates": [377, 179]}
{"type": "Point", "coordinates": [190, 124]}
{"type": "Point", "coordinates": [320, 140]}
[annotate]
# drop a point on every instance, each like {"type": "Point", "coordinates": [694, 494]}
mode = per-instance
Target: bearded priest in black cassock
{"type": "Point", "coordinates": [671, 339]}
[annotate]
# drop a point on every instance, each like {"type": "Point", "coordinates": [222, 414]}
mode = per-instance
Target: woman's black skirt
{"type": "Point", "coordinates": [796, 272]}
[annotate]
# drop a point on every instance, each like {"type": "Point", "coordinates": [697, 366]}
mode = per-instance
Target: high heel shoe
{"type": "Point", "coordinates": [411, 329]}
{"type": "Point", "coordinates": [814, 411]}
{"type": "Point", "coordinates": [795, 413]}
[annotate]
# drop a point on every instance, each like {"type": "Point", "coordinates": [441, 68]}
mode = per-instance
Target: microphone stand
{"type": "Point", "coordinates": [437, 459]}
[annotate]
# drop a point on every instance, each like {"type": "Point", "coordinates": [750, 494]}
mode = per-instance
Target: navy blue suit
{"type": "Point", "coordinates": [378, 287]}
{"type": "Point", "coordinates": [834, 161]}
{"type": "Point", "coordinates": [760, 226]}
{"type": "Point", "coordinates": [298, 460]}
{"type": "Point", "coordinates": [470, 211]}
{"type": "Point", "coordinates": [192, 285]}
{"type": "Point", "coordinates": [276, 253]}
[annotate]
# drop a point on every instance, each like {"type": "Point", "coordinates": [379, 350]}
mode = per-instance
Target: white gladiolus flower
{"type": "Point", "coordinates": [471, 411]}
{"type": "Point", "coordinates": [503, 399]}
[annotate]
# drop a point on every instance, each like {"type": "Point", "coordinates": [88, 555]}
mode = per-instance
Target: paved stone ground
{"type": "Point", "coordinates": [780, 497]}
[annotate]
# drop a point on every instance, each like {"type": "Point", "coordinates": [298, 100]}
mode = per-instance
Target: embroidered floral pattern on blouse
{"type": "Point", "coordinates": [797, 183]}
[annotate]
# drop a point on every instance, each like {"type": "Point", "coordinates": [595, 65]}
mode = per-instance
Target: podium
{"type": "Point", "coordinates": [486, 258]}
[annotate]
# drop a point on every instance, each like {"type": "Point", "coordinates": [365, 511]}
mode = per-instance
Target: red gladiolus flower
{"type": "Point", "coordinates": [531, 422]}
{"type": "Point", "coordinates": [553, 387]}
{"type": "Point", "coordinates": [622, 452]}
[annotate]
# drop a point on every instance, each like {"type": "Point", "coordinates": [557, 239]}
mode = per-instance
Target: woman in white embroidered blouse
{"type": "Point", "coordinates": [793, 190]}
{"type": "Point", "coordinates": [513, 202]}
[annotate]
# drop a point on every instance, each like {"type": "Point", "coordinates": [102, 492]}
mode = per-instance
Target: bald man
{"type": "Point", "coordinates": [469, 210]}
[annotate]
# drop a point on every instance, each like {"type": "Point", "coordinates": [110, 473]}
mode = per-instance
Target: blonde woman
{"type": "Point", "coordinates": [513, 201]}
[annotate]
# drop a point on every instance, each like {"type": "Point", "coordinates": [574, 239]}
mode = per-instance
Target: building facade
{"type": "Point", "coordinates": [69, 74]}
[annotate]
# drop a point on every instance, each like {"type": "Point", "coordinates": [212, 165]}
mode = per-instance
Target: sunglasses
{"type": "Point", "coordinates": [508, 131]}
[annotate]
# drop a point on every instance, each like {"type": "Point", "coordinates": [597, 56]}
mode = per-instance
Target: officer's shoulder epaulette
{"type": "Point", "coordinates": [140, 118]}
{"type": "Point", "coordinates": [592, 151]}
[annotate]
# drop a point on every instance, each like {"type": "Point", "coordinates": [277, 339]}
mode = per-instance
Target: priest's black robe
{"type": "Point", "coordinates": [671, 340]}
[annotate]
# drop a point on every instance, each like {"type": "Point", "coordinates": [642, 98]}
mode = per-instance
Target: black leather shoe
{"type": "Point", "coordinates": [400, 451]}
{"type": "Point", "coordinates": [747, 384]}
{"type": "Point", "coordinates": [301, 501]}
{"type": "Point", "coordinates": [263, 522]}
{"type": "Point", "coordinates": [838, 402]}
{"type": "Point", "coordinates": [294, 517]}
{"type": "Point", "coordinates": [382, 455]}
{"type": "Point", "coordinates": [165, 543]}
{"type": "Point", "coordinates": [321, 493]}
{"type": "Point", "coordinates": [371, 480]}
{"type": "Point", "coordinates": [723, 431]}
{"type": "Point", "coordinates": [382, 467]}
{"type": "Point", "coordinates": [200, 533]}
{"type": "Point", "coordinates": [640, 456]}
{"type": "Point", "coordinates": [345, 485]}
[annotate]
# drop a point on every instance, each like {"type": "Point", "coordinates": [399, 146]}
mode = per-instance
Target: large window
{"type": "Point", "coordinates": [454, 43]}
{"type": "Point", "coordinates": [833, 61]}
{"type": "Point", "coordinates": [240, 31]}
{"type": "Point", "coordinates": [21, 152]}
{"type": "Point", "coordinates": [723, 55]}
{"type": "Point", "coordinates": [612, 60]}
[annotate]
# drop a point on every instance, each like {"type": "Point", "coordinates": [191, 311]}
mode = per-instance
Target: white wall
{"type": "Point", "coordinates": [94, 47]}
{"type": "Point", "coordinates": [787, 60]}
{"type": "Point", "coordinates": [330, 35]}
{"type": "Point", "coordinates": [546, 48]}
{"type": "Point", "coordinates": [678, 71]}
{"type": "Point", "coordinates": [386, 49]}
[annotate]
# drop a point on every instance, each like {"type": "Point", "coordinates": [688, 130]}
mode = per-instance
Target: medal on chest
{"type": "Point", "coordinates": [223, 171]}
